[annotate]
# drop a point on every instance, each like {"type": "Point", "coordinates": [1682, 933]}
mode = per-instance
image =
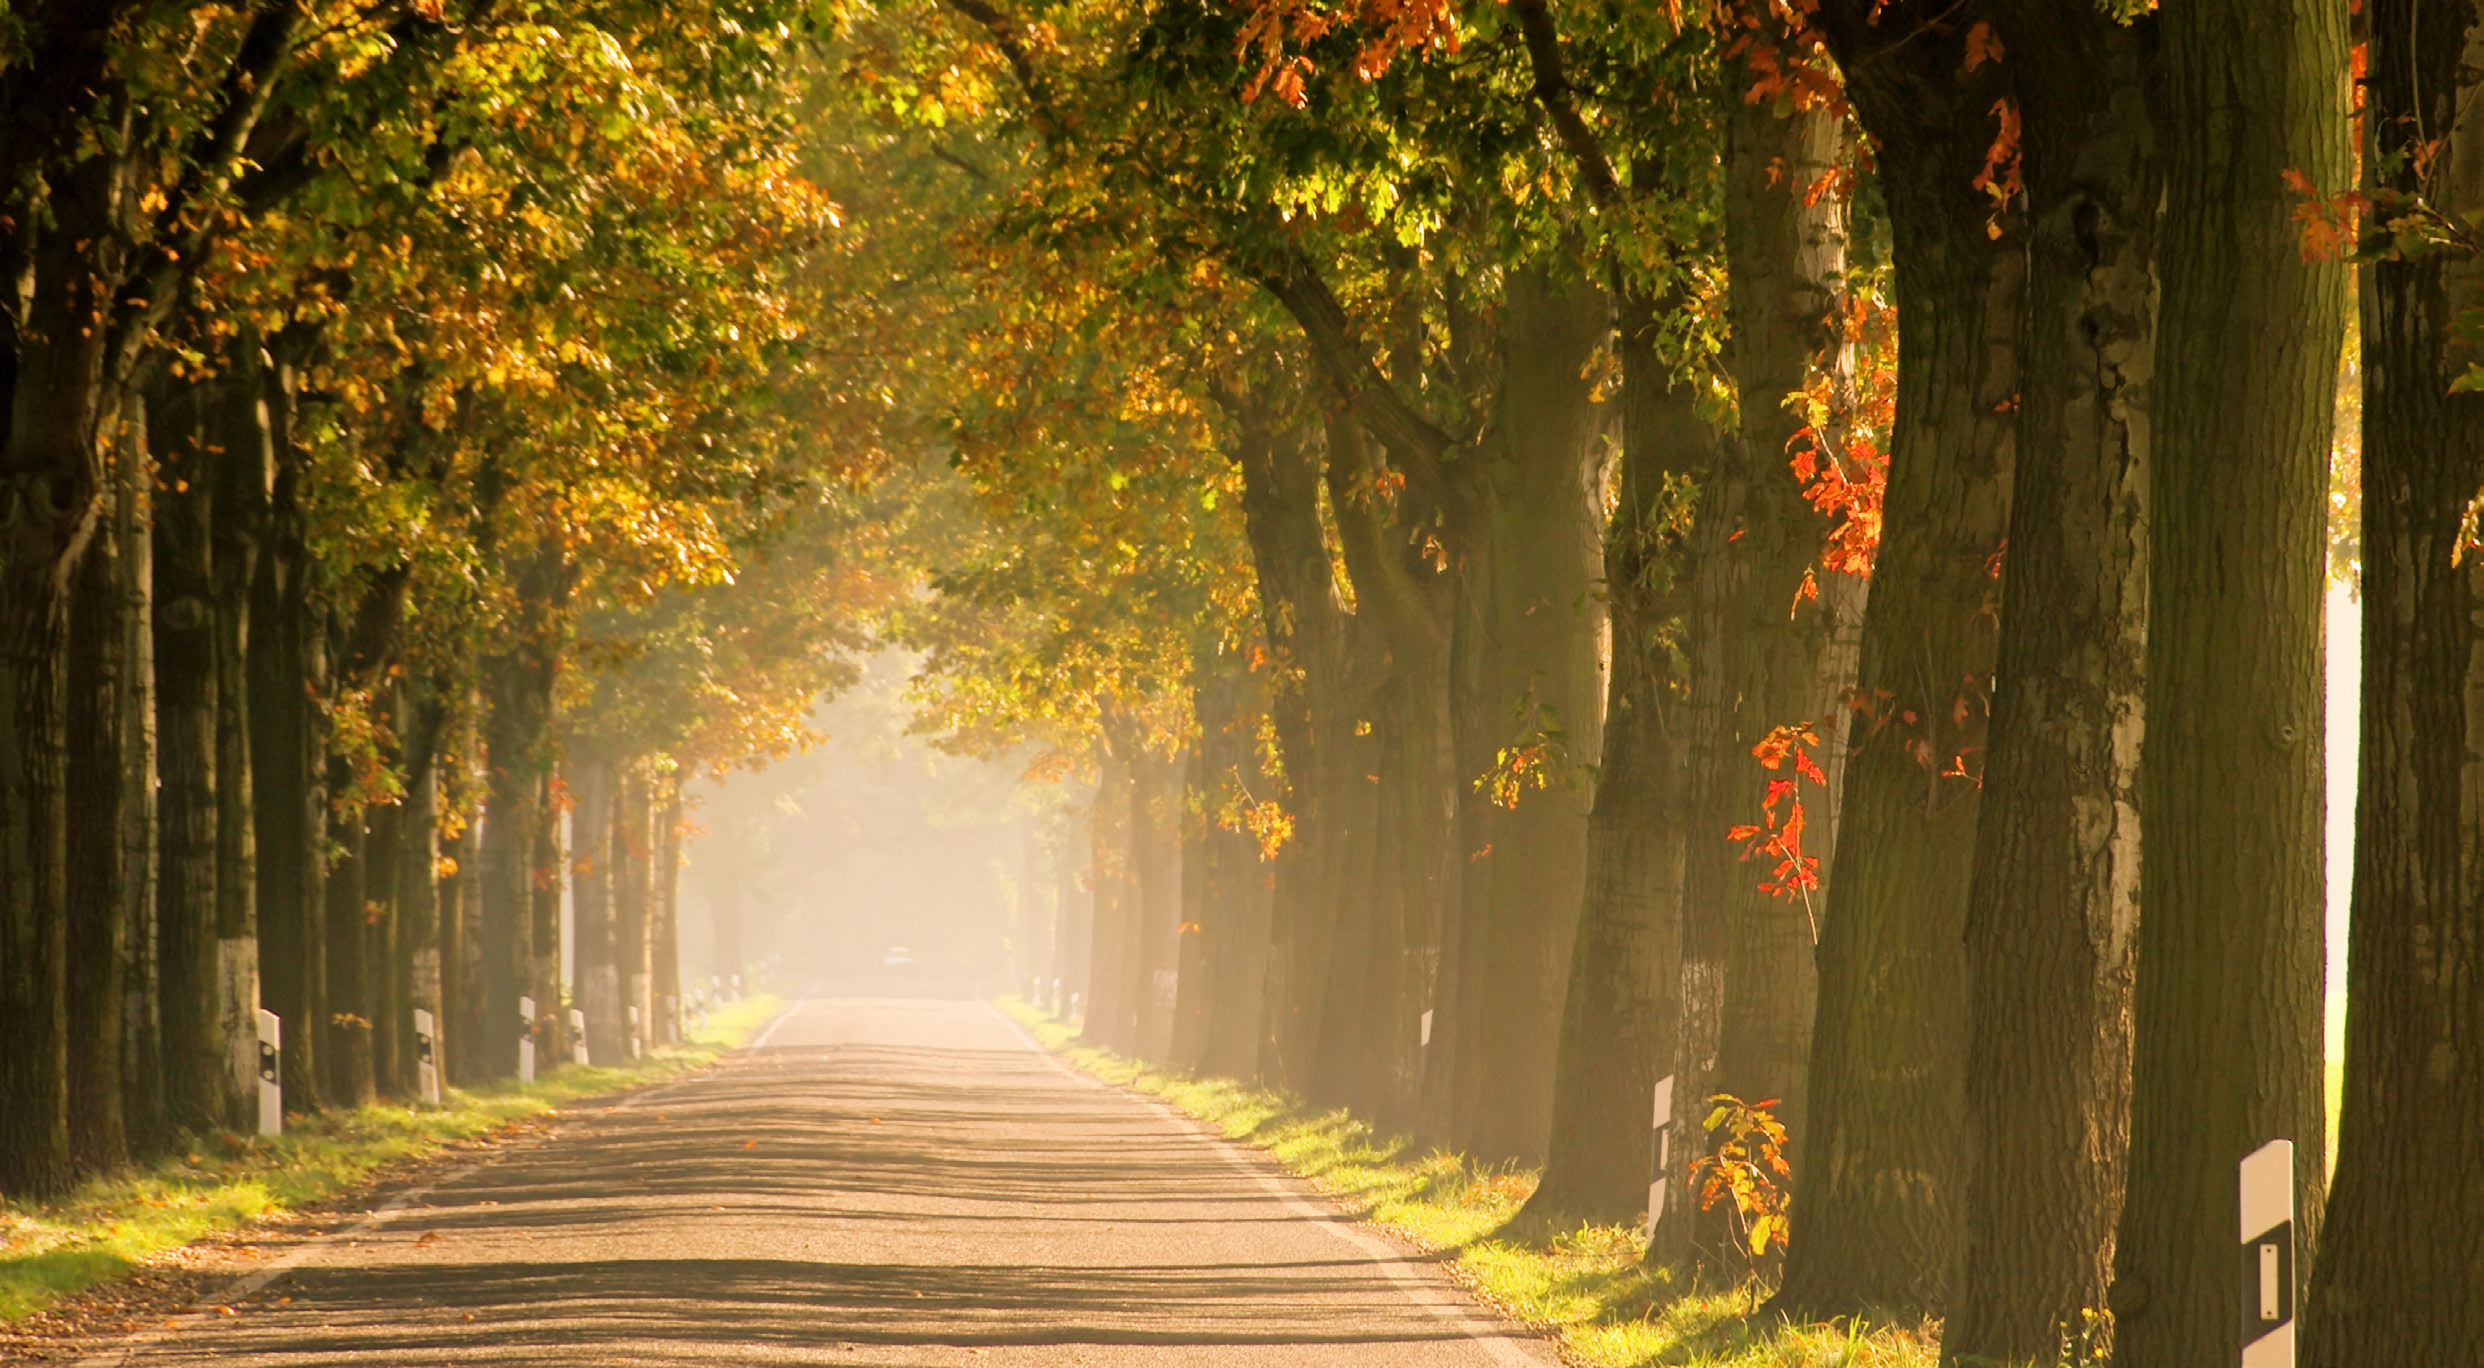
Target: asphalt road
{"type": "Point", "coordinates": [881, 1181]}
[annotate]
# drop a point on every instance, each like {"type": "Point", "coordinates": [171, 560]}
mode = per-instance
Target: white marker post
{"type": "Point", "coordinates": [1658, 1177]}
{"type": "Point", "coordinates": [633, 1030]}
{"type": "Point", "coordinates": [426, 1058]}
{"type": "Point", "coordinates": [2268, 1256]}
{"type": "Point", "coordinates": [577, 1038]}
{"type": "Point", "coordinates": [672, 1019]}
{"type": "Point", "coordinates": [271, 1079]}
{"type": "Point", "coordinates": [526, 1040]}
{"type": "Point", "coordinates": [1427, 1028]}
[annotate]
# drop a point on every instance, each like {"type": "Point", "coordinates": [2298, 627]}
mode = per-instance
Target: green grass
{"type": "Point", "coordinates": [1584, 1286]}
{"type": "Point", "coordinates": [110, 1225]}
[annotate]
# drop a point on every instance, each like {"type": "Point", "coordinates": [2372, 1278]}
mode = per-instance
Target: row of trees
{"type": "Point", "coordinates": [415, 451]}
{"type": "Point", "coordinates": [1516, 353]}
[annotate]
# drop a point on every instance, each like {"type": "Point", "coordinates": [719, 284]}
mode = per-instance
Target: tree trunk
{"type": "Point", "coordinates": [418, 889]}
{"type": "Point", "coordinates": [1112, 1009]}
{"type": "Point", "coordinates": [517, 686]}
{"type": "Point", "coordinates": [142, 1072]}
{"type": "Point", "coordinates": [50, 463]}
{"type": "Point", "coordinates": [2227, 1044]}
{"type": "Point", "coordinates": [288, 655]}
{"type": "Point", "coordinates": [382, 941]}
{"type": "Point", "coordinates": [666, 935]}
{"type": "Point", "coordinates": [1763, 656]}
{"type": "Point", "coordinates": [1156, 864]}
{"type": "Point", "coordinates": [2402, 1249]}
{"type": "Point", "coordinates": [191, 971]}
{"type": "Point", "coordinates": [1882, 1168]}
{"type": "Point", "coordinates": [242, 463]}
{"type": "Point", "coordinates": [1619, 1012]}
{"type": "Point", "coordinates": [2053, 910]}
{"type": "Point", "coordinates": [545, 875]}
{"type": "Point", "coordinates": [630, 884]}
{"type": "Point", "coordinates": [347, 1045]}
{"type": "Point", "coordinates": [99, 790]}
{"type": "Point", "coordinates": [597, 966]}
{"type": "Point", "coordinates": [1531, 632]}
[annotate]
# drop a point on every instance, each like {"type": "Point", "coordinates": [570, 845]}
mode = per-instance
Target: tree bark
{"type": "Point", "coordinates": [517, 687]}
{"type": "Point", "coordinates": [346, 1045]}
{"type": "Point", "coordinates": [597, 966]}
{"type": "Point", "coordinates": [242, 458]}
{"type": "Point", "coordinates": [1882, 1168]}
{"type": "Point", "coordinates": [99, 792]}
{"type": "Point", "coordinates": [1112, 1008]}
{"type": "Point", "coordinates": [1531, 635]}
{"type": "Point", "coordinates": [195, 1088]}
{"type": "Point", "coordinates": [142, 1073]}
{"type": "Point", "coordinates": [2053, 911]}
{"type": "Point", "coordinates": [665, 951]}
{"type": "Point", "coordinates": [2227, 1046]}
{"type": "Point", "coordinates": [630, 886]}
{"type": "Point", "coordinates": [2402, 1248]}
{"type": "Point", "coordinates": [287, 662]}
{"type": "Point", "coordinates": [1625, 970]}
{"type": "Point", "coordinates": [545, 874]}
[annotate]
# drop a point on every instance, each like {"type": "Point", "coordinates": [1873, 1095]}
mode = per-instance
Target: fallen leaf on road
{"type": "Point", "coordinates": [429, 1237]}
{"type": "Point", "coordinates": [750, 1144]}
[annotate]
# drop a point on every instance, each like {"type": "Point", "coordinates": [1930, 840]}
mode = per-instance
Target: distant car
{"type": "Point", "coordinates": [898, 957]}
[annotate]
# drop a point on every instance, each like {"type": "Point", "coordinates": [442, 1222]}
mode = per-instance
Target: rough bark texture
{"type": "Point", "coordinates": [517, 684]}
{"type": "Point", "coordinates": [241, 461]}
{"type": "Point", "coordinates": [2402, 1250]}
{"type": "Point", "coordinates": [1112, 1006]}
{"type": "Point", "coordinates": [1156, 861]}
{"type": "Point", "coordinates": [1619, 1012]}
{"type": "Point", "coordinates": [142, 1074]}
{"type": "Point", "coordinates": [595, 968]}
{"type": "Point", "coordinates": [1529, 642]}
{"type": "Point", "coordinates": [1882, 1168]}
{"type": "Point", "coordinates": [345, 1047]}
{"type": "Point", "coordinates": [2227, 1051]}
{"type": "Point", "coordinates": [99, 791]}
{"type": "Point", "coordinates": [289, 787]}
{"type": "Point", "coordinates": [665, 938]}
{"type": "Point", "coordinates": [2053, 915]}
{"type": "Point", "coordinates": [49, 473]}
{"type": "Point", "coordinates": [1770, 657]}
{"type": "Point", "coordinates": [187, 809]}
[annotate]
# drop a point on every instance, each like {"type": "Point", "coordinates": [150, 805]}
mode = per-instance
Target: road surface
{"type": "Point", "coordinates": [880, 1181]}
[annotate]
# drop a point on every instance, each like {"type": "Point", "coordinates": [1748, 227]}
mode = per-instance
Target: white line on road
{"type": "Point", "coordinates": [777, 1025]}
{"type": "Point", "coordinates": [1495, 1340]}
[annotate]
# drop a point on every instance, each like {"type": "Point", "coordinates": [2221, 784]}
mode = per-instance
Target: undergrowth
{"type": "Point", "coordinates": [1585, 1286]}
{"type": "Point", "coordinates": [109, 1225]}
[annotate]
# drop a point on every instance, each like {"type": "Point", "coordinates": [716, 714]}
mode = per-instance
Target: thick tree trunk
{"type": "Point", "coordinates": [1112, 1009]}
{"type": "Point", "coordinates": [1882, 1167]}
{"type": "Point", "coordinates": [2227, 1046]}
{"type": "Point", "coordinates": [2402, 1250]}
{"type": "Point", "coordinates": [1617, 1021]}
{"type": "Point", "coordinates": [665, 950]}
{"type": "Point", "coordinates": [1763, 656]}
{"type": "Point", "coordinates": [1156, 864]}
{"type": "Point", "coordinates": [517, 687]}
{"type": "Point", "coordinates": [242, 466]}
{"type": "Point", "coordinates": [461, 940]}
{"type": "Point", "coordinates": [142, 1073]}
{"type": "Point", "coordinates": [597, 966]}
{"type": "Point", "coordinates": [630, 886]}
{"type": "Point", "coordinates": [1531, 634]}
{"type": "Point", "coordinates": [546, 878]}
{"type": "Point", "coordinates": [382, 942]}
{"type": "Point", "coordinates": [49, 474]}
{"type": "Point", "coordinates": [2053, 912]}
{"type": "Point", "coordinates": [288, 654]}
{"type": "Point", "coordinates": [190, 966]}
{"type": "Point", "coordinates": [99, 791]}
{"type": "Point", "coordinates": [346, 1046]}
{"type": "Point", "coordinates": [418, 893]}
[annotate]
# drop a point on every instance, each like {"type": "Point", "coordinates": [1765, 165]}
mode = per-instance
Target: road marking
{"type": "Point", "coordinates": [777, 1025]}
{"type": "Point", "coordinates": [1494, 1340]}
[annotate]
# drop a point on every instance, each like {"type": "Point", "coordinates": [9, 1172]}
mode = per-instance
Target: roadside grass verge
{"type": "Point", "coordinates": [1584, 1286]}
{"type": "Point", "coordinates": [109, 1225]}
